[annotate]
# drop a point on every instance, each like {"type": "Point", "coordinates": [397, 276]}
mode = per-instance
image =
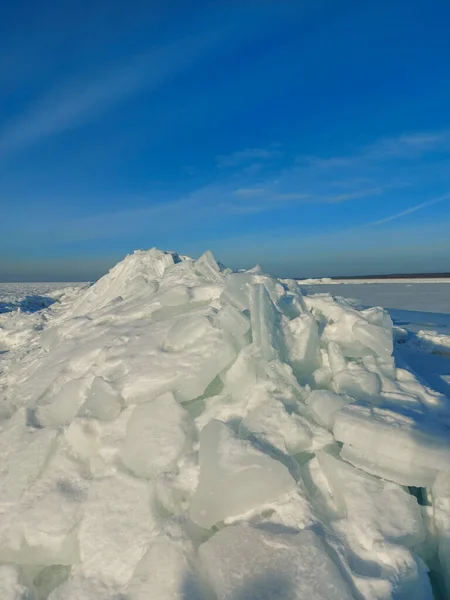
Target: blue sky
{"type": "Point", "coordinates": [312, 137]}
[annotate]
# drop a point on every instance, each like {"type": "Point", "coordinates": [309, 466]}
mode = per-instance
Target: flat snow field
{"type": "Point", "coordinates": [177, 431]}
{"type": "Point", "coordinates": [29, 297]}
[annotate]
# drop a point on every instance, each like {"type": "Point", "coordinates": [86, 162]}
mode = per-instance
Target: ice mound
{"type": "Point", "coordinates": [180, 431]}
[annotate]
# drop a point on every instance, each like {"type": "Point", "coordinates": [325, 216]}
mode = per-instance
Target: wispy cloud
{"type": "Point", "coordinates": [76, 102]}
{"type": "Point", "coordinates": [242, 157]}
{"type": "Point", "coordinates": [238, 194]}
{"type": "Point", "coordinates": [207, 204]}
{"type": "Point", "coordinates": [405, 146]}
{"type": "Point", "coordinates": [413, 145]}
{"type": "Point", "coordinates": [362, 193]}
{"type": "Point", "coordinates": [408, 211]}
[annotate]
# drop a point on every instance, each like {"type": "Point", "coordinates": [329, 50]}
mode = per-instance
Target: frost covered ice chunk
{"type": "Point", "coordinates": [48, 515]}
{"type": "Point", "coordinates": [352, 378]}
{"type": "Point", "coordinates": [64, 405]}
{"type": "Point", "coordinates": [176, 295]}
{"type": "Point", "coordinates": [324, 405]}
{"type": "Point", "coordinates": [157, 435]}
{"type": "Point", "coordinates": [240, 378]}
{"type": "Point", "coordinates": [441, 508]}
{"type": "Point", "coordinates": [303, 345]}
{"type": "Point", "coordinates": [233, 321]}
{"type": "Point", "coordinates": [11, 587]}
{"type": "Point", "coordinates": [265, 322]}
{"type": "Point", "coordinates": [372, 505]}
{"type": "Point", "coordinates": [80, 587]}
{"type": "Point", "coordinates": [23, 452]}
{"type": "Point", "coordinates": [245, 563]}
{"type": "Point", "coordinates": [206, 265]}
{"type": "Point", "coordinates": [357, 382]}
{"type": "Point", "coordinates": [164, 574]}
{"type": "Point", "coordinates": [269, 421]}
{"type": "Point", "coordinates": [153, 366]}
{"type": "Point", "coordinates": [103, 401]}
{"type": "Point", "coordinates": [402, 470]}
{"type": "Point", "coordinates": [117, 527]}
{"type": "Point", "coordinates": [378, 339]}
{"type": "Point", "coordinates": [234, 477]}
{"type": "Point", "coordinates": [407, 447]}
{"type": "Point", "coordinates": [237, 290]}
{"type": "Point", "coordinates": [185, 332]}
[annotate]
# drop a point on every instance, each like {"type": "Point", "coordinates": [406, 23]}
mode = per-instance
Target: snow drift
{"type": "Point", "coordinates": [180, 431]}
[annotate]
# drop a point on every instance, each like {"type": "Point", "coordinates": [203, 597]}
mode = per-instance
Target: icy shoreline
{"type": "Point", "coordinates": [180, 431]}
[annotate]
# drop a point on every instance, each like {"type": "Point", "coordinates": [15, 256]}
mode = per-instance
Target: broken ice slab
{"type": "Point", "coordinates": [441, 508]}
{"type": "Point", "coordinates": [151, 369]}
{"type": "Point", "coordinates": [117, 527]}
{"type": "Point", "coordinates": [64, 405]}
{"type": "Point", "coordinates": [237, 290]}
{"type": "Point", "coordinates": [23, 452]}
{"type": "Point", "coordinates": [378, 339]}
{"type": "Point", "coordinates": [302, 340]}
{"type": "Point", "coordinates": [232, 320]}
{"type": "Point", "coordinates": [207, 266]}
{"type": "Point", "coordinates": [50, 512]}
{"type": "Point", "coordinates": [268, 421]}
{"type": "Point", "coordinates": [265, 320]}
{"type": "Point", "coordinates": [164, 573]}
{"type": "Point", "coordinates": [11, 584]}
{"type": "Point", "coordinates": [157, 435]}
{"type": "Point", "coordinates": [249, 564]}
{"type": "Point", "coordinates": [358, 382]}
{"type": "Point", "coordinates": [324, 405]}
{"type": "Point", "coordinates": [234, 477]}
{"type": "Point", "coordinates": [401, 470]}
{"type": "Point", "coordinates": [103, 401]}
{"type": "Point", "coordinates": [186, 331]}
{"type": "Point", "coordinates": [407, 447]}
{"type": "Point", "coordinates": [373, 505]}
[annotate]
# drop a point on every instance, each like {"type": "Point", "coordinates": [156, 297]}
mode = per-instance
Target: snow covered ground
{"type": "Point", "coordinates": [30, 297]}
{"type": "Point", "coordinates": [181, 432]}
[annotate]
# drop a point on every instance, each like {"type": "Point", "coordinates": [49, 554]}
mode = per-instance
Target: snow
{"type": "Point", "coordinates": [182, 432]}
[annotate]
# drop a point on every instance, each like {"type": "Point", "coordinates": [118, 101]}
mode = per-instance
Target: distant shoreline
{"type": "Point", "coordinates": [395, 276]}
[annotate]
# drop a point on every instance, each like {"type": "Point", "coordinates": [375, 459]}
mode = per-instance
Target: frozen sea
{"type": "Point", "coordinates": [29, 297]}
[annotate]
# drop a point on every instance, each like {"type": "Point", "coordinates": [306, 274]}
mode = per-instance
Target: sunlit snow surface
{"type": "Point", "coordinates": [30, 297]}
{"type": "Point", "coordinates": [179, 431]}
